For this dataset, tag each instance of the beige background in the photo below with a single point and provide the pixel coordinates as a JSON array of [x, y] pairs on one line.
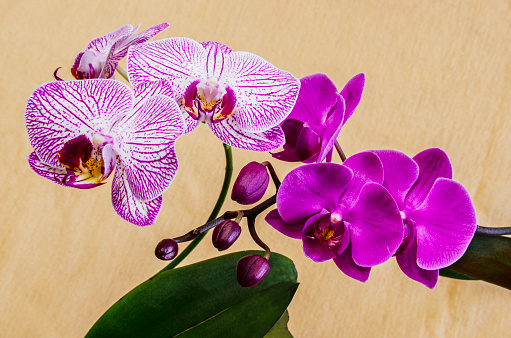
[[438, 75]]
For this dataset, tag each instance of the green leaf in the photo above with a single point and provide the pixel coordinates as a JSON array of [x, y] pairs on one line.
[[280, 330], [487, 258], [202, 299], [446, 272]]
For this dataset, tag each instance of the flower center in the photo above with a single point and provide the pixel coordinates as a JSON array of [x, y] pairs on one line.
[[83, 160], [209, 101], [327, 233]]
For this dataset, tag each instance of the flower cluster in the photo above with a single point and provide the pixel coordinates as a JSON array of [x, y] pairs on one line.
[[84, 130], [377, 204]]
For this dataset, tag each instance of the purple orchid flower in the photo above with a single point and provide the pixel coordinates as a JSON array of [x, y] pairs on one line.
[[102, 55], [242, 97], [317, 118], [437, 212], [340, 211], [82, 130]]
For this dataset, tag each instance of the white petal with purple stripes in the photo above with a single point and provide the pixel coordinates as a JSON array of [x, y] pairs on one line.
[[230, 133], [265, 94], [128, 206], [179, 60], [59, 111], [146, 146]]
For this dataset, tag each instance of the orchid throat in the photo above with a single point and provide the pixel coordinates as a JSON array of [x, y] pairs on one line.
[[209, 101], [84, 160]]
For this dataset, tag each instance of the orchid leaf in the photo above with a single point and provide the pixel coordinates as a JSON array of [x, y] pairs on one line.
[[202, 299], [280, 330], [487, 258]]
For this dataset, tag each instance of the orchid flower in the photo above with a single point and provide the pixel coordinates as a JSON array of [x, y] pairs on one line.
[[317, 117], [242, 97], [340, 210], [437, 212], [82, 130], [102, 55]]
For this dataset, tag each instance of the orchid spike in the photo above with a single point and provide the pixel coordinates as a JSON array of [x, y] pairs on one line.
[[438, 215], [317, 117], [82, 130], [242, 97], [340, 211], [102, 55]]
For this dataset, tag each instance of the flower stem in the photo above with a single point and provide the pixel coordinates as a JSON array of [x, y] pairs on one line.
[[123, 73], [214, 213], [486, 231], [339, 151]]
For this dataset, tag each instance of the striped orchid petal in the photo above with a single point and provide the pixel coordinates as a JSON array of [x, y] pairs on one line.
[[57, 112], [265, 94], [145, 144], [215, 85], [102, 55], [230, 133], [128, 206]]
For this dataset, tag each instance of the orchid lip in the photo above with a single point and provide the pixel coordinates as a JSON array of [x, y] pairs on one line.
[[209, 101], [83, 161]]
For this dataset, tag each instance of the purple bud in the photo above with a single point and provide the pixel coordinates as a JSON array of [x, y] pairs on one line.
[[225, 234], [251, 269], [251, 184], [166, 249]]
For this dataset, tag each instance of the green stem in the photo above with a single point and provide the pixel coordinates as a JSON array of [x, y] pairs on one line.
[[123, 73], [214, 213]]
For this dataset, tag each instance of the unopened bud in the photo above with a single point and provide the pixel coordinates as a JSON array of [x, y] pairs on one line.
[[251, 184], [251, 269], [166, 249], [225, 234]]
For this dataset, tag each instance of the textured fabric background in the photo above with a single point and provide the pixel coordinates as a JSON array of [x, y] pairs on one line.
[[438, 75]]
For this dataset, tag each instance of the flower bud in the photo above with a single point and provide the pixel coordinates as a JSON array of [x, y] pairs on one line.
[[225, 234], [166, 249], [251, 269], [251, 184]]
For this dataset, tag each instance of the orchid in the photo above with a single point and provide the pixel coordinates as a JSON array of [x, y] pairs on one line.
[[340, 210], [437, 212], [82, 130], [242, 97], [317, 118], [102, 55]]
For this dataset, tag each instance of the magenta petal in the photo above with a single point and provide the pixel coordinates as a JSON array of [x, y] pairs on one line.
[[55, 174], [318, 95], [317, 250], [229, 132], [399, 172], [308, 144], [346, 264], [445, 225], [293, 230], [57, 112], [127, 206], [375, 226], [146, 146], [265, 95], [408, 264], [366, 167], [307, 190], [352, 93], [287, 155], [179, 60], [330, 129], [433, 163], [292, 129]]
